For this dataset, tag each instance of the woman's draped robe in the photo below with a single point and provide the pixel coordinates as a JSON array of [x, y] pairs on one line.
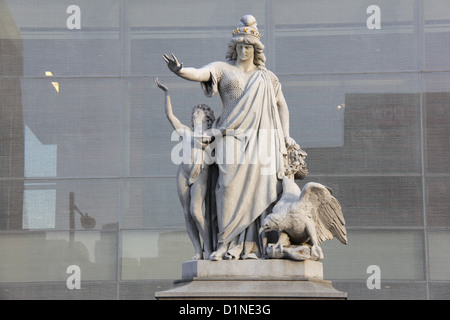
[[245, 180]]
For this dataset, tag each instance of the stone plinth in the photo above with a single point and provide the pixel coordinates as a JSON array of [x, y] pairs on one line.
[[252, 279]]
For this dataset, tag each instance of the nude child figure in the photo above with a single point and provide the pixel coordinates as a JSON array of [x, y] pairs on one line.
[[192, 177]]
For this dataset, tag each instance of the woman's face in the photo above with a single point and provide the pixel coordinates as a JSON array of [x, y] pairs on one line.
[[245, 51]]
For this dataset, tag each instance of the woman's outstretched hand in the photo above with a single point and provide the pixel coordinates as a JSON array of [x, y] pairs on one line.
[[173, 63]]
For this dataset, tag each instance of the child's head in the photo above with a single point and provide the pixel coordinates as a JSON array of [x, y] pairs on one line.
[[202, 112]]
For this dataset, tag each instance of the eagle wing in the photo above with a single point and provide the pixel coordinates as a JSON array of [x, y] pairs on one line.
[[325, 210]]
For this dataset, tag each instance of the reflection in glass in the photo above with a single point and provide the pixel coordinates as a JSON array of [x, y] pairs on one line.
[[74, 133], [40, 159], [45, 256], [154, 254], [399, 254], [39, 206]]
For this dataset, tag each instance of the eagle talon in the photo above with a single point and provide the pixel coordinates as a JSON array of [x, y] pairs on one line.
[[278, 248], [316, 252]]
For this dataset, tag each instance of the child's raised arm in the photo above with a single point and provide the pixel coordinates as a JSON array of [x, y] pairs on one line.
[[176, 124]]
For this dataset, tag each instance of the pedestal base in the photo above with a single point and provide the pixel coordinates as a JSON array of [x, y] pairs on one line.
[[251, 279]]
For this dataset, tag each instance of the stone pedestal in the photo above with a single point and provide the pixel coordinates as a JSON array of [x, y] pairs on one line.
[[251, 279]]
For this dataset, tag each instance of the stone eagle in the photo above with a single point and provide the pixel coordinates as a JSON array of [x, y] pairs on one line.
[[304, 219]]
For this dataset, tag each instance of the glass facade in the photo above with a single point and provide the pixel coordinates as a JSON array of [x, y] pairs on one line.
[[86, 177]]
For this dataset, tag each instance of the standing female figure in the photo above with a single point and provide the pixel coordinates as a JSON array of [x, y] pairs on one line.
[[255, 124]]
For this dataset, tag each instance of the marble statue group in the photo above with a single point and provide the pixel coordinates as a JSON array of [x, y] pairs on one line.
[[237, 184]]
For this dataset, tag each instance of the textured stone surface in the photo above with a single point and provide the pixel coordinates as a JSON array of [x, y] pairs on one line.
[[254, 269], [252, 279], [252, 289]]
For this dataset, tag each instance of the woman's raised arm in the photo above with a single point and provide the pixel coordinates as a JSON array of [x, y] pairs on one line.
[[192, 74]]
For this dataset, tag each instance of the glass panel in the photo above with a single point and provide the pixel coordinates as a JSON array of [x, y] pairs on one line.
[[335, 37], [59, 204], [436, 100], [438, 202], [71, 127], [153, 254], [439, 291], [12, 136], [437, 138], [64, 40], [151, 204], [11, 204], [436, 35], [357, 124], [46, 256], [439, 254], [398, 253]]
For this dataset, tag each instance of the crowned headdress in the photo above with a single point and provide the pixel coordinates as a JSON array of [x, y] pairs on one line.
[[247, 31], [247, 27]]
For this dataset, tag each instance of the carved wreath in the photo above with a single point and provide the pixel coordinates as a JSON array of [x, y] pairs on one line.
[[295, 165]]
